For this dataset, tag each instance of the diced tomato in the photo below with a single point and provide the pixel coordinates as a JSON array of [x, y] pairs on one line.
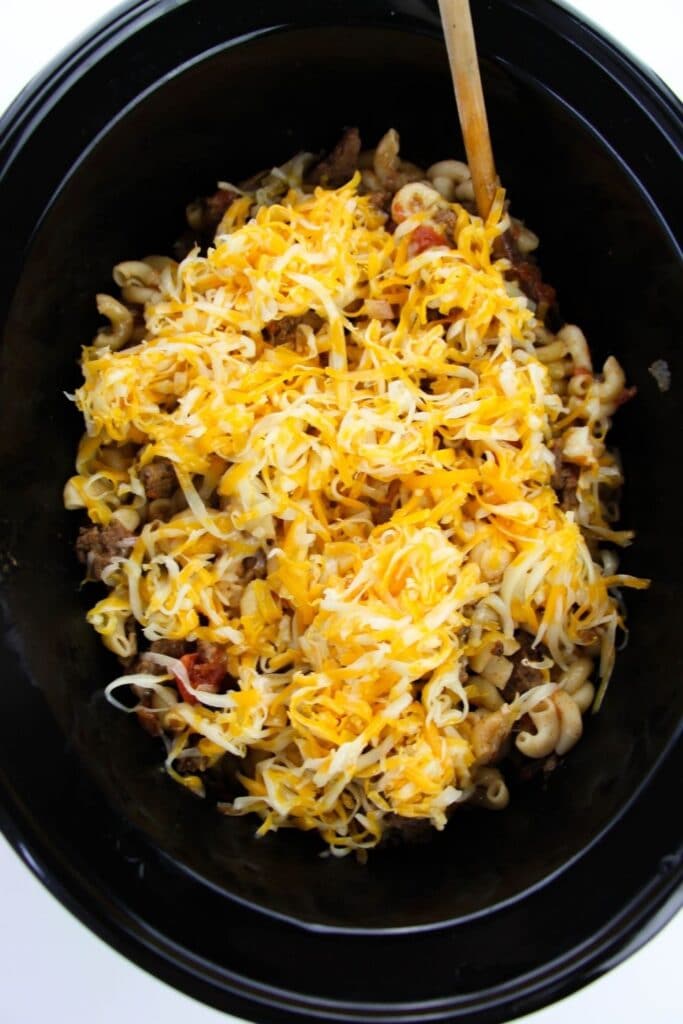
[[188, 661], [208, 675], [204, 675], [424, 237]]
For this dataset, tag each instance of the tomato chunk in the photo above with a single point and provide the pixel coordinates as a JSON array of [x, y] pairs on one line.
[[424, 237], [204, 675]]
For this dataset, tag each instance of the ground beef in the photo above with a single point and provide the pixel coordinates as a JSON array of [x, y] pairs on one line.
[[284, 331], [171, 648], [385, 508], [205, 214], [159, 479], [530, 281], [148, 719], [191, 765], [523, 677], [565, 481], [254, 567], [217, 204], [337, 168], [97, 546], [447, 220], [203, 217], [380, 199], [526, 273]]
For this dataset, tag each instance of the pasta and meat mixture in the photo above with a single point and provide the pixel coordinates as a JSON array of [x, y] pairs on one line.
[[349, 496]]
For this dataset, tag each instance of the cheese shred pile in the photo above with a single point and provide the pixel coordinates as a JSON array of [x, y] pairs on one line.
[[368, 430]]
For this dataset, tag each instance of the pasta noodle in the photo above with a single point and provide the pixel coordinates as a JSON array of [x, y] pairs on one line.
[[348, 493]]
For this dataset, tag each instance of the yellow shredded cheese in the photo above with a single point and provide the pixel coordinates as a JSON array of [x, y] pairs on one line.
[[390, 461]]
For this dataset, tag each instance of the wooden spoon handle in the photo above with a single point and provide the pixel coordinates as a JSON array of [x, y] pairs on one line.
[[456, 18]]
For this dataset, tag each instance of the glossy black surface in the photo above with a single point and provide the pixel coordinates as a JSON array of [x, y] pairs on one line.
[[99, 161]]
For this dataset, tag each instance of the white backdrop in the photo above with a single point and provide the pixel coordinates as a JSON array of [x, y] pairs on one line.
[[54, 968]]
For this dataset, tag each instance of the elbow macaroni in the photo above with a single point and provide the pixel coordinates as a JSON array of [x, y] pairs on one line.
[[557, 726], [492, 790], [120, 323], [544, 739]]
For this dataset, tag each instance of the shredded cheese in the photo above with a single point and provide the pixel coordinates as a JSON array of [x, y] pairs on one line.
[[392, 463]]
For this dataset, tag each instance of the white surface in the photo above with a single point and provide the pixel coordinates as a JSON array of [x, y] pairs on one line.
[[52, 967]]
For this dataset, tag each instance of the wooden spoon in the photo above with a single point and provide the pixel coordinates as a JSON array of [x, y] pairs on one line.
[[456, 18]]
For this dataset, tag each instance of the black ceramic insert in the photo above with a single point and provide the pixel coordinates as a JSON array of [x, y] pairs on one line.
[[98, 160]]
